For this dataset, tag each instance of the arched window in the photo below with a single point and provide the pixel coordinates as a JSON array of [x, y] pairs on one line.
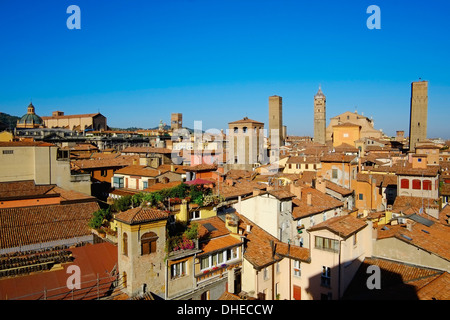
[[125, 244], [426, 184], [244, 129], [235, 129], [416, 184], [148, 243], [404, 184]]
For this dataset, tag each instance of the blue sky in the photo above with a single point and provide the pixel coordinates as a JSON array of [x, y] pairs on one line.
[[219, 60]]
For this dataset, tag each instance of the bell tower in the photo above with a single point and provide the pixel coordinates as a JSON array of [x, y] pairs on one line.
[[319, 117]]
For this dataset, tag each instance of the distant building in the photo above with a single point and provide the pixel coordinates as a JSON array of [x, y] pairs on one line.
[[338, 247], [76, 122], [346, 133], [42, 162], [367, 125], [320, 117], [418, 114], [245, 144]]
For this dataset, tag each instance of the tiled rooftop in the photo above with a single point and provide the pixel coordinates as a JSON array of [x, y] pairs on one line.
[[337, 188], [399, 281], [31, 225], [139, 170], [146, 150], [259, 251], [107, 162], [344, 226], [320, 202], [140, 215], [434, 239]]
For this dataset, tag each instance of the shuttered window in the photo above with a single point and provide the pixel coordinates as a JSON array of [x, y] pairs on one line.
[[297, 293], [148, 243]]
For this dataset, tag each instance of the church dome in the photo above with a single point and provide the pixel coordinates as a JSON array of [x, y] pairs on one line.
[[31, 117]]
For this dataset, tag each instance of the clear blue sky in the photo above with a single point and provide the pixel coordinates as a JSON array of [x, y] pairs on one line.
[[219, 60]]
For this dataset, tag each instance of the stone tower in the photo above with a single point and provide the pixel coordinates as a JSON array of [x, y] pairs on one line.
[[245, 144], [320, 117], [176, 121], [141, 238], [276, 117], [418, 113]]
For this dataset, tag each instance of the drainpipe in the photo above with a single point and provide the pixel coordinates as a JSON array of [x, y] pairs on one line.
[[273, 270], [49, 165], [290, 271]]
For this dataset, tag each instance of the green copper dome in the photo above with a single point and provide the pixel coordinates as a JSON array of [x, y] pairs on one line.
[[31, 117]]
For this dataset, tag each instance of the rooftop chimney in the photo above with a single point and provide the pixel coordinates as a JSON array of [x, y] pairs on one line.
[[320, 184], [231, 222], [296, 190], [256, 191], [308, 199]]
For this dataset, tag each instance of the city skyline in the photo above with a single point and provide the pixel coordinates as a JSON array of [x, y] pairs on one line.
[[218, 62]]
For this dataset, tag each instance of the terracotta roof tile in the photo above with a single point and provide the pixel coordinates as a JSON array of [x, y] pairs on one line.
[[337, 157], [216, 223], [26, 144], [141, 215], [320, 202], [437, 289], [344, 226], [239, 188], [168, 167], [23, 188], [118, 161], [138, 170], [434, 238], [405, 203], [146, 150], [245, 120], [337, 188], [303, 159], [258, 246], [30, 225], [70, 116], [202, 167], [161, 186], [216, 244], [430, 171], [399, 281]]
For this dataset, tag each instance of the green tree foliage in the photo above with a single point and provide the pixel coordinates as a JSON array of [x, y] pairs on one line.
[[122, 204], [100, 218]]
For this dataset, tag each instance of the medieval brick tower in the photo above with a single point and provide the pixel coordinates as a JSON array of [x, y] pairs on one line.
[[276, 118], [418, 114], [176, 121], [320, 117]]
